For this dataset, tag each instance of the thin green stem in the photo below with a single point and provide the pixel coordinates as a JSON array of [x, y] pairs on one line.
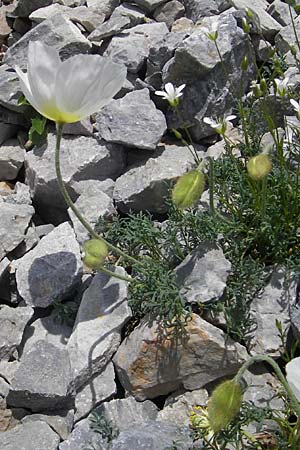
[[115, 275], [70, 203], [294, 27]]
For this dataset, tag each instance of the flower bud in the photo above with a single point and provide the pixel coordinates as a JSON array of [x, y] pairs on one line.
[[293, 50], [249, 13], [177, 134], [245, 63], [224, 405], [259, 166], [263, 86], [245, 25], [95, 252], [188, 189]]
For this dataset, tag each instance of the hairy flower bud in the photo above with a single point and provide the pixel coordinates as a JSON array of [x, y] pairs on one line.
[[245, 63], [188, 189], [259, 166], [95, 252], [245, 25], [224, 405], [263, 86]]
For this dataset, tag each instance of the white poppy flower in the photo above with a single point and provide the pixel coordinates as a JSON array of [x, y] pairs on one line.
[[171, 93], [293, 376], [220, 126], [68, 91]]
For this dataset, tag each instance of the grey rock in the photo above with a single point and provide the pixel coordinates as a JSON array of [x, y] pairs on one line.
[[25, 8], [178, 406], [295, 321], [123, 413], [110, 28], [126, 121], [7, 130], [152, 436], [286, 37], [4, 390], [106, 186], [61, 421], [132, 46], [145, 187], [197, 64], [99, 388], [273, 303], [12, 324], [202, 275], [30, 436], [10, 90], [96, 336], [82, 158], [127, 9], [195, 9], [43, 380], [183, 25], [87, 17], [105, 7], [83, 437], [281, 13], [165, 364], [169, 12], [8, 369], [11, 159], [58, 32], [82, 128], [15, 218], [47, 329], [51, 271], [149, 5], [93, 204], [19, 196]]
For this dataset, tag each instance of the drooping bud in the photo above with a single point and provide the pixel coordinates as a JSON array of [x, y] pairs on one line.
[[95, 252], [188, 189], [224, 405], [259, 166]]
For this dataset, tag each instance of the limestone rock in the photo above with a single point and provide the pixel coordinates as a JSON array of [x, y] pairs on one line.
[[43, 380], [96, 336], [58, 32], [83, 437], [286, 37], [273, 303], [30, 436], [11, 159], [25, 8], [149, 366], [50, 271], [126, 121], [61, 421], [203, 274], [105, 7], [196, 9], [281, 13], [7, 130], [169, 12], [12, 324]]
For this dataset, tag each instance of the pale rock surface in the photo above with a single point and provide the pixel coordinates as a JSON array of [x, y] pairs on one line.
[[60, 421], [11, 159], [149, 366], [12, 324], [30, 436], [83, 437], [169, 12]]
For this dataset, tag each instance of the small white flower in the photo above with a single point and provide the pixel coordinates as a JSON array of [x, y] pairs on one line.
[[293, 376], [220, 126], [282, 86], [171, 93], [68, 91], [296, 106]]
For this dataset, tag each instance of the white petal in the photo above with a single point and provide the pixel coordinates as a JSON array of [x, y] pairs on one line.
[[232, 117], [295, 104], [209, 121], [169, 88], [293, 376], [180, 88], [161, 93], [85, 83], [24, 83], [43, 63]]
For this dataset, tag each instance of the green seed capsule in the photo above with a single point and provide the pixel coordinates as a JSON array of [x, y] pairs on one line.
[[95, 252]]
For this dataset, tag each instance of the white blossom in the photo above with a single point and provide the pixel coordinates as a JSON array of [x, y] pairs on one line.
[[171, 93]]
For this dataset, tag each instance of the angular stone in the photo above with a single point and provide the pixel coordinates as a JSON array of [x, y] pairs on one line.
[[7, 130], [51, 271], [96, 336], [82, 158], [87, 17], [149, 365], [123, 413], [12, 324], [110, 28], [136, 15], [153, 436], [281, 13], [105, 7], [196, 9], [126, 121], [149, 5], [93, 205], [183, 25], [11, 159], [5, 29], [169, 12], [57, 32], [43, 380], [286, 37], [273, 303], [83, 437], [99, 388], [145, 187], [178, 407], [132, 47], [14, 218], [106, 186], [25, 8], [61, 421], [30, 436], [203, 273]]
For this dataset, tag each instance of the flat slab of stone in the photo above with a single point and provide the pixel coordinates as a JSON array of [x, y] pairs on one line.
[[97, 331], [11, 159], [43, 380], [12, 324], [149, 366], [52, 270], [30, 436], [203, 274]]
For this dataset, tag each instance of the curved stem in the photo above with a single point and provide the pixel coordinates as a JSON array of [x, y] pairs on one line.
[[115, 275], [70, 203]]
